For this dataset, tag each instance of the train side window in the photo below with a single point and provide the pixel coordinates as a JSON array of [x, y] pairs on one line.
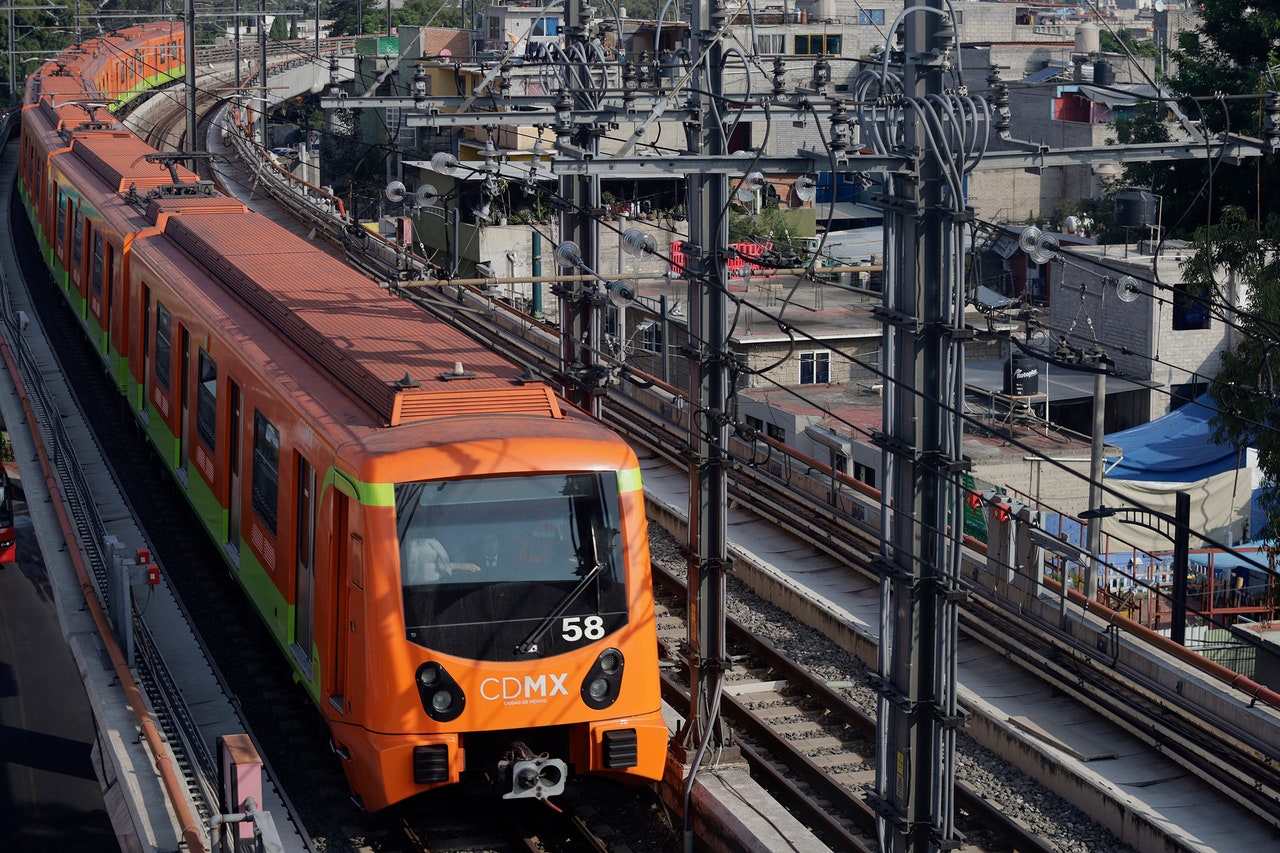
[[266, 470], [77, 246], [163, 323], [63, 211], [207, 400], [95, 280]]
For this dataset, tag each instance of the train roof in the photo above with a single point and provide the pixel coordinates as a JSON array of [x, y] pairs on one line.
[[386, 353], [119, 159]]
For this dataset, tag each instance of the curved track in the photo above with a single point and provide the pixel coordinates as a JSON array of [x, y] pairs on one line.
[[1222, 754]]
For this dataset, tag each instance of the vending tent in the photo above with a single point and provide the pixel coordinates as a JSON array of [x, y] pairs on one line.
[[1177, 453]]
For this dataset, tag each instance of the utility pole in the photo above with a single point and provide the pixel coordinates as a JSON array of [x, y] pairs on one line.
[[189, 58], [580, 328], [706, 250], [922, 507], [262, 69]]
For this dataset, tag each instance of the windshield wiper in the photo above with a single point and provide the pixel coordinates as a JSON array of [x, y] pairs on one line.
[[531, 642]]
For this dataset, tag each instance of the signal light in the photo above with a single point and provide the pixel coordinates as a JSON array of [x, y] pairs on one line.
[[1001, 512], [973, 500]]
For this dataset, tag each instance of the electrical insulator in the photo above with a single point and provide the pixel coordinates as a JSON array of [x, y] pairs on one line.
[[821, 73], [335, 85], [1271, 121], [779, 76], [420, 89], [839, 131], [629, 86]]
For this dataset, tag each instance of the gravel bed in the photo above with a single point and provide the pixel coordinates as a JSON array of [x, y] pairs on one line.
[[1049, 816]]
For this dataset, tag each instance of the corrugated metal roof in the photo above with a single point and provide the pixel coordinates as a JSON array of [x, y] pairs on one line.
[[367, 340]]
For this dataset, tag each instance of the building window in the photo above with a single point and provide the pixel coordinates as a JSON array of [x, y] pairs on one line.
[[495, 28], [163, 323], [1190, 310], [266, 470], [651, 340], [775, 432], [871, 17], [815, 368], [755, 423], [864, 474], [771, 43], [207, 400], [815, 45], [545, 27]]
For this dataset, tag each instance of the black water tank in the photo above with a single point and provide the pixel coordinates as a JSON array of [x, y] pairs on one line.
[[1103, 73], [1135, 208], [1022, 376]]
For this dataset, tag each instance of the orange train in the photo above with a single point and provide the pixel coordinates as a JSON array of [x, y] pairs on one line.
[[454, 561]]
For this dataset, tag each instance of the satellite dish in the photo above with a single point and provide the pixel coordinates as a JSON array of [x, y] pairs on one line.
[[395, 191], [426, 195], [1127, 289], [744, 193], [806, 188], [445, 53], [1159, 5]]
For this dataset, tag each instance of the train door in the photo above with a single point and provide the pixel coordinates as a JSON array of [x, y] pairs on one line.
[[233, 471], [304, 571], [348, 583], [144, 378], [184, 381]]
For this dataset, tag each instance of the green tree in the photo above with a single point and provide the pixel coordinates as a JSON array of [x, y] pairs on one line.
[[1126, 42], [1247, 388], [430, 13], [279, 29], [343, 14]]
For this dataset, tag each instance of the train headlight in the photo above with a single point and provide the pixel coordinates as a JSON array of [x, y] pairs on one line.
[[442, 698], [603, 683]]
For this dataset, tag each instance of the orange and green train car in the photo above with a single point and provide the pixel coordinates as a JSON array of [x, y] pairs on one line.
[[454, 561]]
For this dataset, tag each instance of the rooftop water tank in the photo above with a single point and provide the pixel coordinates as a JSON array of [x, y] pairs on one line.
[[1103, 73], [1136, 208], [1087, 38]]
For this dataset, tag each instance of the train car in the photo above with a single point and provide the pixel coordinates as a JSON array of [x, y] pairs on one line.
[[453, 560], [8, 537]]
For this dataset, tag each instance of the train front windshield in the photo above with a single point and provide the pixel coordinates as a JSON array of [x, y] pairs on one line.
[[510, 568]]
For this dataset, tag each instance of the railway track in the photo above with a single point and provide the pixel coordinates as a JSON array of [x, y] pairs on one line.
[[807, 740], [846, 530]]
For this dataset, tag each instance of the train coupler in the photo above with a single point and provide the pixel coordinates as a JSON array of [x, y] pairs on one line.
[[530, 775]]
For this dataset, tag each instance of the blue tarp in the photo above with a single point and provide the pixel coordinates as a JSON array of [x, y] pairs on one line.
[[1177, 448]]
